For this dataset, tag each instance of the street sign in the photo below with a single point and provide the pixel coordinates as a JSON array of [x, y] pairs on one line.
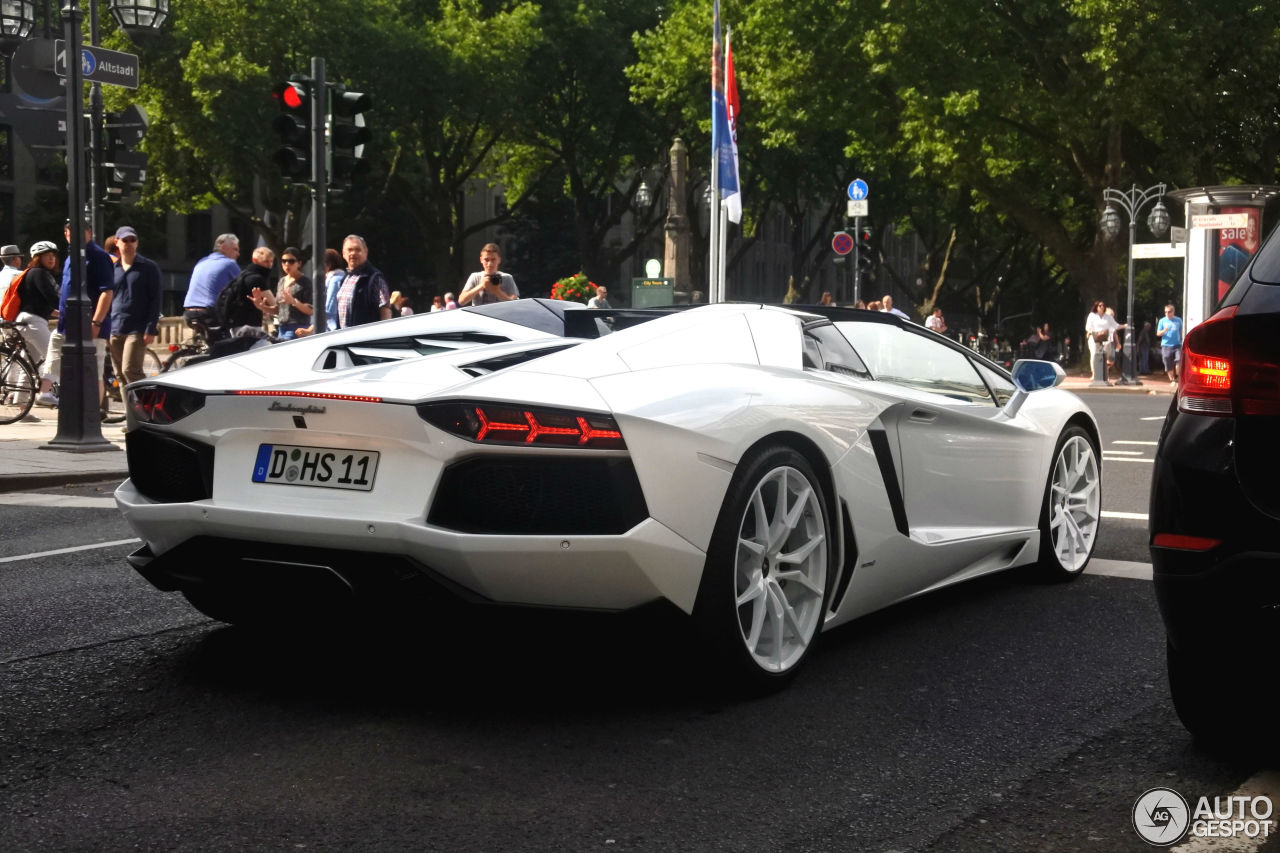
[[842, 243], [857, 208], [1178, 234], [858, 190], [1213, 221], [1159, 250], [99, 65]]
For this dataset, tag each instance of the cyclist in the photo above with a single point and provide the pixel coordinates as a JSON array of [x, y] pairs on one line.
[[38, 290]]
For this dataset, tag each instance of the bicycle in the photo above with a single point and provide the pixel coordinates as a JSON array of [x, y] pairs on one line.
[[19, 381], [195, 350]]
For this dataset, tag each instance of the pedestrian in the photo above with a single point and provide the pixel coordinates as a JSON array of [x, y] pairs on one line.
[[245, 302], [99, 282], [364, 296], [826, 299], [400, 305], [886, 306], [601, 299], [1037, 343], [489, 285], [436, 304], [1099, 326], [210, 275], [135, 307], [449, 302], [38, 290], [293, 296], [1115, 344], [1144, 349], [10, 267], [936, 322], [1170, 331]]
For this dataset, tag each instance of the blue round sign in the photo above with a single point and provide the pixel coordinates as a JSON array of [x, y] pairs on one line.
[[858, 190], [88, 62]]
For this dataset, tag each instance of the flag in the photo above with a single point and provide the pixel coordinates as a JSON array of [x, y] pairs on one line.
[[721, 137], [732, 199]]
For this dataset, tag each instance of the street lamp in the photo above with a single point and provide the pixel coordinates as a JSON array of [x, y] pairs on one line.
[[1132, 202], [644, 195], [139, 17], [17, 20]]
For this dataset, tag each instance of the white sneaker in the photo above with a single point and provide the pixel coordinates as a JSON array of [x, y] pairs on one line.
[[45, 398]]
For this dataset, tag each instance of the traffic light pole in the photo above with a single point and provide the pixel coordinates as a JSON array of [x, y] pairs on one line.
[[95, 135], [319, 193], [79, 424]]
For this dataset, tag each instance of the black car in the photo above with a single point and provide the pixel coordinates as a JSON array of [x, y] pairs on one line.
[[1215, 514]]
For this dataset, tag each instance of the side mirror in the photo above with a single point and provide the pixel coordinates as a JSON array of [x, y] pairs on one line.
[[1032, 375]]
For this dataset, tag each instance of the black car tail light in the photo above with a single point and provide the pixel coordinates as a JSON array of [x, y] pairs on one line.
[[160, 404], [1224, 372], [497, 423]]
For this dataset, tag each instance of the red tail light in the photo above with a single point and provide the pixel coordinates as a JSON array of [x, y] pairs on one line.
[[1184, 543], [156, 404], [1223, 374], [496, 423]]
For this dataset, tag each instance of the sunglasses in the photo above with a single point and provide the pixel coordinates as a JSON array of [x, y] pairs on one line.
[[288, 260]]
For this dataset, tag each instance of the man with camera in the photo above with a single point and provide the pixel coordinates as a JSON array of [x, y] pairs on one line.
[[489, 285]]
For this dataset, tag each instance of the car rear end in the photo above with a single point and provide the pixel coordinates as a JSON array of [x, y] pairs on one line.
[[1215, 507]]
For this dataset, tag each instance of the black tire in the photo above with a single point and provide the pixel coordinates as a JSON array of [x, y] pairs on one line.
[[1072, 507], [17, 389], [753, 649], [179, 358]]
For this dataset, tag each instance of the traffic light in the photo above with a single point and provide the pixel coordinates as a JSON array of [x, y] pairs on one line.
[[348, 135], [866, 255], [124, 168], [293, 126]]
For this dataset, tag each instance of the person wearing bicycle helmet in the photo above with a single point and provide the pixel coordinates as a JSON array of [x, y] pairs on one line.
[[38, 290]]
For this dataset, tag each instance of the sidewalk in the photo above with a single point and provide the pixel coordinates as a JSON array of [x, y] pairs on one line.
[[25, 462]]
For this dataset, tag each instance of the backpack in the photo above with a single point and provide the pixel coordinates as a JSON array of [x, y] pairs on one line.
[[12, 302], [222, 307]]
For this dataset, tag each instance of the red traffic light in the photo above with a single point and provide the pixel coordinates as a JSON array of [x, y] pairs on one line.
[[292, 96]]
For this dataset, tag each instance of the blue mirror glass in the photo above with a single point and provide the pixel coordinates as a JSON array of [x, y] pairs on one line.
[[1032, 375]]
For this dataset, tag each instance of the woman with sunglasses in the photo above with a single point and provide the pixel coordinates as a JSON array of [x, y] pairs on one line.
[[293, 296]]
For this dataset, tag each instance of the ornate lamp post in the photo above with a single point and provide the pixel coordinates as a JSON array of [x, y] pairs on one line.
[[1132, 202], [139, 17]]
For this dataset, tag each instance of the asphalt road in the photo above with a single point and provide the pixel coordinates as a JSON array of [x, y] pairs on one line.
[[1001, 715]]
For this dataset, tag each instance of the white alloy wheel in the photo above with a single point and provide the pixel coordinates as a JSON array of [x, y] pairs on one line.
[[1073, 505], [780, 571]]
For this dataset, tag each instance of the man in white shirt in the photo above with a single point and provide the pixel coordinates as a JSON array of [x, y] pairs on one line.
[[1099, 330], [601, 299], [887, 302], [935, 322], [11, 258]]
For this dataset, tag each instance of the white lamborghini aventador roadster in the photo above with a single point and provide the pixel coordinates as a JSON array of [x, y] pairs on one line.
[[771, 471]]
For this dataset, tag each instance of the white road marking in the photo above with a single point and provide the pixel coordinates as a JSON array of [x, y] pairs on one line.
[[61, 501], [38, 554], [1122, 453], [1119, 569], [1128, 516], [1146, 443], [1263, 784], [1153, 418], [1124, 458]]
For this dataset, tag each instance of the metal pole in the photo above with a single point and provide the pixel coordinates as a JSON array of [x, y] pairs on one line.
[[79, 425], [857, 259], [319, 193], [96, 185], [1127, 377]]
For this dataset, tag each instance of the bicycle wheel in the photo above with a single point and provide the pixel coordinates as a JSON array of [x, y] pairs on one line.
[[17, 389], [179, 358], [151, 365]]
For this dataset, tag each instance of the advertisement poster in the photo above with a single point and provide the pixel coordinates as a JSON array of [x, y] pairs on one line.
[[1236, 247]]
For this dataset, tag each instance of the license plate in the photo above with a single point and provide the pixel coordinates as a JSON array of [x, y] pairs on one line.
[[326, 467]]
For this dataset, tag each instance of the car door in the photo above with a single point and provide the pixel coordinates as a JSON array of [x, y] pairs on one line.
[[966, 469]]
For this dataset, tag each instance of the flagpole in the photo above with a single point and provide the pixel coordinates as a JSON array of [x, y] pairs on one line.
[[721, 291], [713, 258]]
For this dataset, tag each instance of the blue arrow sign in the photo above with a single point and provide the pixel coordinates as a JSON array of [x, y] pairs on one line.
[[858, 190]]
